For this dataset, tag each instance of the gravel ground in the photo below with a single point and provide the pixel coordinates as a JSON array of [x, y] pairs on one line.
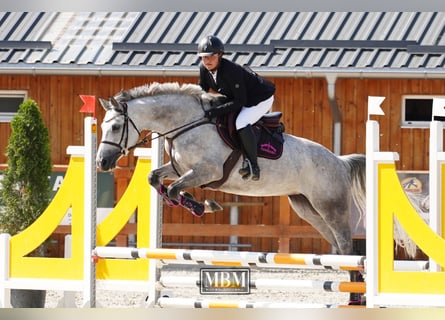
[[114, 299]]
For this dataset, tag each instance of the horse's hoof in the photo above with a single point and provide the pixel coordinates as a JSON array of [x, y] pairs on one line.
[[212, 206]]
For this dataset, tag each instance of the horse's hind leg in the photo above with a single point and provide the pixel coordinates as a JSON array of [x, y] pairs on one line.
[[301, 205], [330, 217], [336, 233]]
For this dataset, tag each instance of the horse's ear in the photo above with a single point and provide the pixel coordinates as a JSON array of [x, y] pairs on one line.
[[105, 104], [114, 102]]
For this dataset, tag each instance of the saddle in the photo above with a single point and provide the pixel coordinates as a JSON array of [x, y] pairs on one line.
[[269, 135], [268, 131]]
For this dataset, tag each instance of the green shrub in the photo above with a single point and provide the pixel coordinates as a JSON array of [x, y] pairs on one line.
[[26, 189]]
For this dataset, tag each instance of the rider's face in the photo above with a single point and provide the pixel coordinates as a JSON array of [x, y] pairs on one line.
[[211, 62]]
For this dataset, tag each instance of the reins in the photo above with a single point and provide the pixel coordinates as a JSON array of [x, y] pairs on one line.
[[187, 126]]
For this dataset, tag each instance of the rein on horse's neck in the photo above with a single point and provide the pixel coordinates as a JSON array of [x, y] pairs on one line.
[[182, 128]]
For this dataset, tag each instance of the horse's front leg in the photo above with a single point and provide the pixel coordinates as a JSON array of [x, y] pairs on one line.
[[177, 195], [195, 177], [180, 184], [165, 171], [155, 178], [192, 178]]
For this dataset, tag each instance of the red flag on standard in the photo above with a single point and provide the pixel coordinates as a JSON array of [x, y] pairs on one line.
[[89, 105]]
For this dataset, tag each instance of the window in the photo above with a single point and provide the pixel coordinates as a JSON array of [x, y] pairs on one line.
[[9, 103], [417, 110]]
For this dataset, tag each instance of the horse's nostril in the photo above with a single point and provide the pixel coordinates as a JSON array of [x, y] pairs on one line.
[[101, 163]]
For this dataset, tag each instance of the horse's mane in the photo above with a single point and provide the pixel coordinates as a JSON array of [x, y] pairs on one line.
[[156, 88]]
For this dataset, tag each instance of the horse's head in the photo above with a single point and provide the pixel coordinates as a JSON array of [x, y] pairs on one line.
[[159, 107], [119, 134]]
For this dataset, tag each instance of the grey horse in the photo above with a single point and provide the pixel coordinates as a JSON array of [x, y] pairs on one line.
[[320, 185]]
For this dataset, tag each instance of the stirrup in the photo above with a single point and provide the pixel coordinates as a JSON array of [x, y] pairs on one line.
[[248, 170]]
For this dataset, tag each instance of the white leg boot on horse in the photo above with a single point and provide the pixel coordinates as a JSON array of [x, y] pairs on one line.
[[250, 164]]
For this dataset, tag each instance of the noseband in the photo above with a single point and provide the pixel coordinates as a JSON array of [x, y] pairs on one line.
[[124, 137]]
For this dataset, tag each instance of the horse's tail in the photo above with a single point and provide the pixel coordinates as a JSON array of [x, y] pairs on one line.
[[357, 169]]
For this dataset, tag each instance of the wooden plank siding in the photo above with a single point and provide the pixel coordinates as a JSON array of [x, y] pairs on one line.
[[306, 113]]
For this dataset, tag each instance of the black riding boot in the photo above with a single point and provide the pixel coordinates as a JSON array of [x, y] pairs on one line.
[[250, 165]]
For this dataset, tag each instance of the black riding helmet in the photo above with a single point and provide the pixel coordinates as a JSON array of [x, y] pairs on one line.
[[210, 45]]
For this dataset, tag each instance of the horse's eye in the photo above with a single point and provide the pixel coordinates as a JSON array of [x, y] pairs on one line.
[[115, 127]]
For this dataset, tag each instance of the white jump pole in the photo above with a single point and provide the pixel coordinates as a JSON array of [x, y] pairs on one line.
[[69, 298], [232, 258], [373, 157], [274, 284], [157, 158], [90, 204], [437, 158], [240, 304], [5, 293]]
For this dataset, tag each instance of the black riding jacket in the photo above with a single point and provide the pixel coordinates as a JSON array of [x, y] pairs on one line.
[[242, 86]]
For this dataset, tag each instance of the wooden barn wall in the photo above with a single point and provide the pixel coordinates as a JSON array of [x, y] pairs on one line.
[[306, 113]]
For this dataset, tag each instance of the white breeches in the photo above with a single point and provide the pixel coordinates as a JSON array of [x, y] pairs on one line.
[[252, 114]]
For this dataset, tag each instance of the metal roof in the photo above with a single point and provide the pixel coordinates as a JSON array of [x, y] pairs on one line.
[[278, 43]]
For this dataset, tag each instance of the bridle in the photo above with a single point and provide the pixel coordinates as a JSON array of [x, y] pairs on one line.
[[127, 121], [124, 137]]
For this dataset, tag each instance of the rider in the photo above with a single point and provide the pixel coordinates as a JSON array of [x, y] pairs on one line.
[[246, 91]]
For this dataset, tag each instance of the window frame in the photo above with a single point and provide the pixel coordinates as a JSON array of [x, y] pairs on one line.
[[6, 117], [412, 123]]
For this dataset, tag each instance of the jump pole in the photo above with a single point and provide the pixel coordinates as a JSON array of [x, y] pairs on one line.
[[249, 259], [273, 284], [90, 204], [373, 157], [209, 304], [231, 258], [437, 160], [154, 272]]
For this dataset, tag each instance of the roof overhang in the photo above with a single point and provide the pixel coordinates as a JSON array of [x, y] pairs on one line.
[[279, 72]]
